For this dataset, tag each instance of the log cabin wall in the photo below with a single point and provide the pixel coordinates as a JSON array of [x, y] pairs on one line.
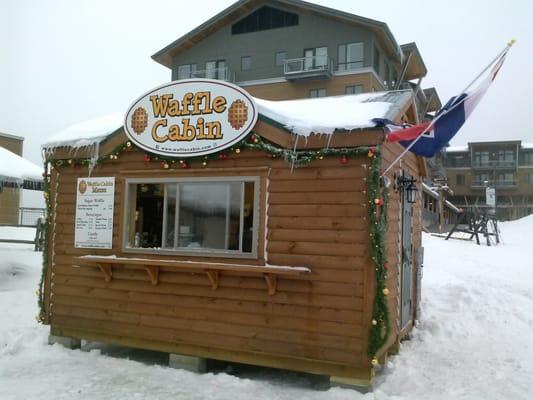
[[317, 217], [409, 164]]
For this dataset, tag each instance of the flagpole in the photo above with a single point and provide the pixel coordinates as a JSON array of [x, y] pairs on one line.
[[509, 44]]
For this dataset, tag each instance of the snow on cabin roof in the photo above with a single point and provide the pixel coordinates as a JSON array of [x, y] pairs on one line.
[[15, 168], [86, 133], [326, 114], [322, 115]]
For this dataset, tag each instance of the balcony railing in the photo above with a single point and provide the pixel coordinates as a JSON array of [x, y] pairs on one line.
[[223, 74], [307, 67], [494, 164], [501, 184]]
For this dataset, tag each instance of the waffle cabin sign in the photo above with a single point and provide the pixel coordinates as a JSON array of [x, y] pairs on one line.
[[190, 118]]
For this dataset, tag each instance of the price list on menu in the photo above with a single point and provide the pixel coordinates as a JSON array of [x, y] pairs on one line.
[[94, 213]]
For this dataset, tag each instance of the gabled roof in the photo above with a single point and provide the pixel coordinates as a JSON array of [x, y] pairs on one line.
[[433, 99], [242, 8], [416, 68], [6, 135], [17, 169]]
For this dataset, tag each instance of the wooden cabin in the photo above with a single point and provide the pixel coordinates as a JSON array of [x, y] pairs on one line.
[[309, 261]]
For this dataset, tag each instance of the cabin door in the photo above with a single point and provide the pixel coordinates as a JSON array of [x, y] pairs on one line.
[[407, 259]]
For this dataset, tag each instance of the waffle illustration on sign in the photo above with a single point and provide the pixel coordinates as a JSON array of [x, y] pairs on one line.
[[139, 120], [238, 114]]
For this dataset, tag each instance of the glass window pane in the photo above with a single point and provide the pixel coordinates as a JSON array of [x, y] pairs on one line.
[[280, 57], [170, 215], [342, 54], [148, 215], [248, 217], [206, 215], [246, 63], [321, 56], [210, 69], [354, 52]]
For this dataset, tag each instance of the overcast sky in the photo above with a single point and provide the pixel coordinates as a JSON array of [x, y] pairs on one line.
[[63, 61]]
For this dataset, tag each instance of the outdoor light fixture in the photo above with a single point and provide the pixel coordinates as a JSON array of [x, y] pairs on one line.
[[409, 186]]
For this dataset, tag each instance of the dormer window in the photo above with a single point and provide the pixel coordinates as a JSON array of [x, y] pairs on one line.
[[263, 19]]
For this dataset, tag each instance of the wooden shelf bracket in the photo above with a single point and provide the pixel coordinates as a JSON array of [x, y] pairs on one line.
[[106, 270], [213, 278], [272, 283], [153, 273]]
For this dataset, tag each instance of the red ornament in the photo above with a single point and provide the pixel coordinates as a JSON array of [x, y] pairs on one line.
[[386, 265], [147, 158], [222, 156], [379, 202], [344, 160], [373, 149], [184, 165]]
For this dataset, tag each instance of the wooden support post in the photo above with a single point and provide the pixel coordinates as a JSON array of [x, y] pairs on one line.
[[106, 270], [213, 278], [153, 273], [272, 283]]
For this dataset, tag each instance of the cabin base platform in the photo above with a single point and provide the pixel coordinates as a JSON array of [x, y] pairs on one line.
[[189, 363], [65, 341]]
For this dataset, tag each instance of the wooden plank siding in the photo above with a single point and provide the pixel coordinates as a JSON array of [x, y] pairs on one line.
[[312, 216], [410, 165]]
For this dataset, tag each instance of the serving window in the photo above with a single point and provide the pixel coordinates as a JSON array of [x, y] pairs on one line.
[[202, 216]]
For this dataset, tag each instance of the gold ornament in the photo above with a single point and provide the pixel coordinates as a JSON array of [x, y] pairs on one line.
[[374, 322], [128, 144], [375, 361], [385, 291], [204, 163], [237, 151]]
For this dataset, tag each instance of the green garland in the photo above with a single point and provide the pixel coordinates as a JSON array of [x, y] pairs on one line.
[[377, 211], [380, 328], [41, 317]]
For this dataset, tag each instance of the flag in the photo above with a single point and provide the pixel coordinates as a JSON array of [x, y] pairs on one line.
[[428, 138]]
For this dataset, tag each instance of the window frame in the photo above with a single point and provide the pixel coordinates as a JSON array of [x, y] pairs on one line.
[[249, 65], [126, 218], [193, 67], [284, 52], [354, 92], [317, 90], [344, 52]]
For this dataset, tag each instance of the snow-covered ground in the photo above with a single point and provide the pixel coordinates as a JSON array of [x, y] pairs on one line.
[[475, 340]]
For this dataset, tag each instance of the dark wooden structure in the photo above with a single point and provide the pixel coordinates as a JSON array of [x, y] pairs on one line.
[[303, 303]]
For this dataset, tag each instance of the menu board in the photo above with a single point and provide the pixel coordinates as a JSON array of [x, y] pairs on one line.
[[94, 213]]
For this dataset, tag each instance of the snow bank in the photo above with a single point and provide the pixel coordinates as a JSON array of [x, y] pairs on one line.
[[473, 343], [15, 168]]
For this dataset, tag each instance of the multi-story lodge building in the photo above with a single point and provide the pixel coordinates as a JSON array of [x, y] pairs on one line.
[[290, 49], [505, 165]]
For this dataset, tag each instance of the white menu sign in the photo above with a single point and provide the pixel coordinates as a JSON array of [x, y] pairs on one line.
[[94, 213]]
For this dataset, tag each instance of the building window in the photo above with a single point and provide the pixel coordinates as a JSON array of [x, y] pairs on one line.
[[377, 61], [246, 63], [215, 69], [186, 71], [460, 180], [481, 159], [528, 178], [353, 89], [264, 18], [351, 56], [316, 58], [527, 158], [281, 56], [211, 216], [313, 93], [506, 178]]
